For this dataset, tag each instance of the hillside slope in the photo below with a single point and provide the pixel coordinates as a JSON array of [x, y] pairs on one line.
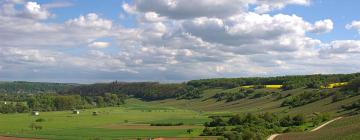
[[269, 103], [347, 128]]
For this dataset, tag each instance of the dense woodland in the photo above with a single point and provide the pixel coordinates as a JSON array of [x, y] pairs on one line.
[[289, 82], [142, 90], [33, 87], [19, 103]]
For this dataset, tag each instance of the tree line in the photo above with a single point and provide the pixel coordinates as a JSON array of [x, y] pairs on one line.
[[33, 87], [288, 82], [142, 90], [54, 102]]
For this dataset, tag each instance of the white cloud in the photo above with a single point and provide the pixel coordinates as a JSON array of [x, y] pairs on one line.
[[184, 9], [30, 10], [353, 25], [264, 6], [34, 10], [250, 33], [174, 40], [129, 9], [153, 17], [322, 26], [99, 45], [180, 9], [91, 20], [341, 47], [26, 56]]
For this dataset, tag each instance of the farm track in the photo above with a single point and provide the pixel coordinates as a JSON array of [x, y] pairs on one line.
[[273, 136]]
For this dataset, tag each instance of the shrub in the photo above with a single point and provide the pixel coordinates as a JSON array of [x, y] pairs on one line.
[[40, 120]]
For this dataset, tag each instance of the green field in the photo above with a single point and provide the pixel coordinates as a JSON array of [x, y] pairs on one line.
[[64, 125], [131, 120]]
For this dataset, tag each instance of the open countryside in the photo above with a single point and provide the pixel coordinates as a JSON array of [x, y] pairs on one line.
[[199, 109], [179, 70]]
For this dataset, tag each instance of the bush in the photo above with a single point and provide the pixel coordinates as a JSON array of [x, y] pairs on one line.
[[305, 98], [293, 129], [251, 126], [40, 120]]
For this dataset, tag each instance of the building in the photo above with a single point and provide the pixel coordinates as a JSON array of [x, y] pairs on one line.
[[76, 112], [35, 113]]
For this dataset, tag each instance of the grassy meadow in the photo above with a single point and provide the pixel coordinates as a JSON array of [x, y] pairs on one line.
[[132, 120], [128, 121]]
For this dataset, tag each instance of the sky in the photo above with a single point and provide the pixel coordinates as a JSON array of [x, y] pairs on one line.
[[88, 41]]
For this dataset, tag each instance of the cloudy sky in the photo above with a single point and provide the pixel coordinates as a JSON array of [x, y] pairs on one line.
[[176, 40]]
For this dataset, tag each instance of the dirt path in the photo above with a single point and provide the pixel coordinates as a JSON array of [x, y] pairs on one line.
[[273, 136], [321, 126]]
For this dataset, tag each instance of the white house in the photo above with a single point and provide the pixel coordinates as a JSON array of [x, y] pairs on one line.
[[35, 113], [76, 112]]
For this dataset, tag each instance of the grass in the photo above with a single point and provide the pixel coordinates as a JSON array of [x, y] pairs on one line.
[[347, 128], [269, 103], [193, 113], [67, 126]]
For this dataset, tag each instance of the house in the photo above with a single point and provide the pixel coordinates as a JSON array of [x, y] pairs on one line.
[[35, 113], [76, 112]]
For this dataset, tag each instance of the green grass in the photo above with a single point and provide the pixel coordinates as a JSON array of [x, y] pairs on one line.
[[347, 128], [269, 103], [64, 125]]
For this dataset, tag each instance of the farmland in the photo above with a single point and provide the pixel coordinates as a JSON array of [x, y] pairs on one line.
[[200, 109], [130, 121]]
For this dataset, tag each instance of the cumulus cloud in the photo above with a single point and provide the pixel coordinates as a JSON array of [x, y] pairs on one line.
[[91, 20], [172, 40], [26, 56], [353, 25], [99, 45], [253, 33], [342, 47], [180, 9], [30, 10], [153, 17], [264, 6], [184, 9], [34, 10], [322, 26]]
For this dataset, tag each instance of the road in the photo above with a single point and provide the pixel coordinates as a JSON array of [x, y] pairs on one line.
[[273, 136]]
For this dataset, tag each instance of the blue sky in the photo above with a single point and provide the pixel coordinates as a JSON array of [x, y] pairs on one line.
[[175, 40]]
